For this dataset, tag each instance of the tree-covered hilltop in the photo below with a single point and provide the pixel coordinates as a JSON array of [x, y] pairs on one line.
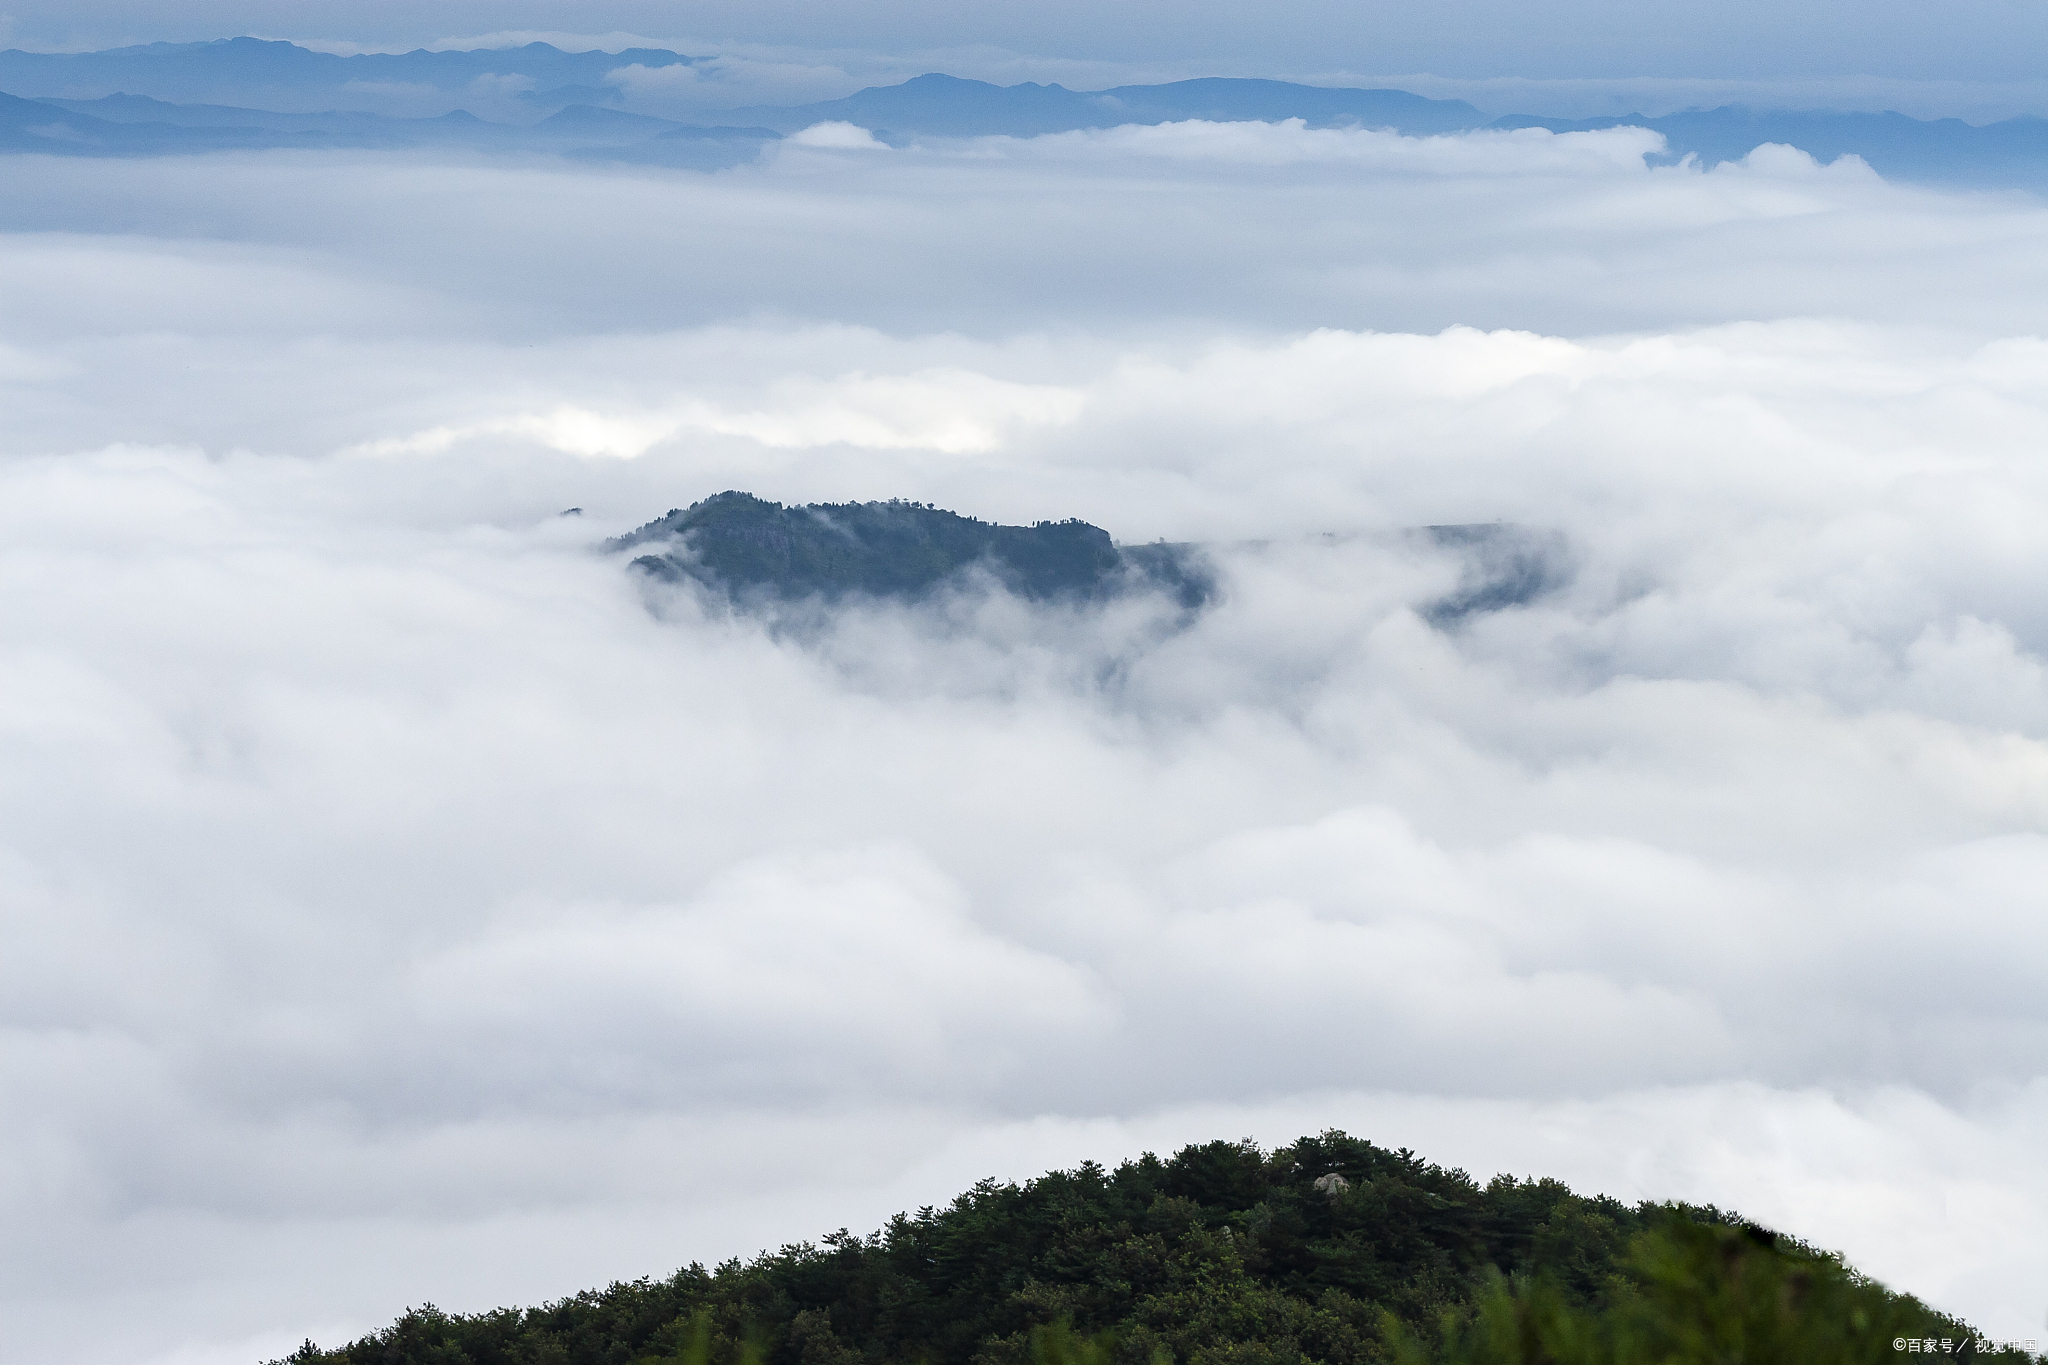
[[1330, 1251], [746, 545]]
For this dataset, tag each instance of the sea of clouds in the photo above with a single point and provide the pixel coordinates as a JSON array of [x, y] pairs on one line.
[[404, 902]]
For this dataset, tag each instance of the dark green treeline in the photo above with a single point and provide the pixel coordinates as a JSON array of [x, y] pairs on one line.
[[1330, 1251]]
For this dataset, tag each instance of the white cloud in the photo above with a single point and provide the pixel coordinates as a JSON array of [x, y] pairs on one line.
[[728, 80], [1520, 152], [947, 410], [836, 135], [1108, 232], [403, 903]]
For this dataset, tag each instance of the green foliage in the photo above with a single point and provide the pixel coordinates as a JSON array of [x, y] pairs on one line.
[[1331, 1251], [1691, 1293], [749, 548]]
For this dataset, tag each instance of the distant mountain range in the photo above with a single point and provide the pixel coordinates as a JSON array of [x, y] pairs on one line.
[[285, 76], [947, 106], [141, 125], [246, 93]]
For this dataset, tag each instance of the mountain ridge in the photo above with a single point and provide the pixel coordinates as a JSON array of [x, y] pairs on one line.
[[1330, 1250], [749, 547], [167, 99]]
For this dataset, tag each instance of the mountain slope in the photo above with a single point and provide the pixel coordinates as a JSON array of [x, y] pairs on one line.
[[1328, 1250], [747, 546]]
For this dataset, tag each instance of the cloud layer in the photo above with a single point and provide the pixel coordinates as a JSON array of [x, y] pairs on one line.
[[1186, 226], [403, 901]]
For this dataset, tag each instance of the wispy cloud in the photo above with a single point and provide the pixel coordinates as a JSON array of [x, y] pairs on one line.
[[402, 900]]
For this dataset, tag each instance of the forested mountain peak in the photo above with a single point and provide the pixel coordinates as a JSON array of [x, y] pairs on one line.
[[748, 546], [1328, 1251]]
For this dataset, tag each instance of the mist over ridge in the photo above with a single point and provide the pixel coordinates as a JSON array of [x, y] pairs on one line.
[[1261, 606]]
